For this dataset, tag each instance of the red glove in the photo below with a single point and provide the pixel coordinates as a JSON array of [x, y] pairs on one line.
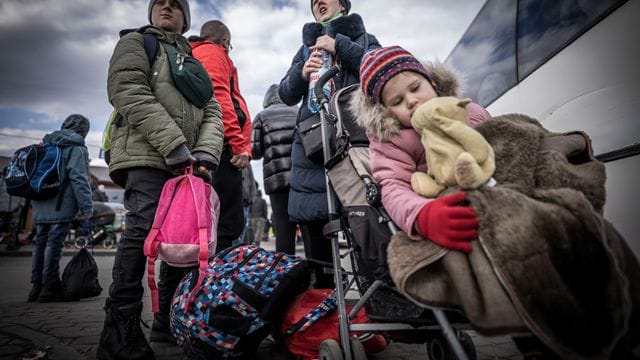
[[447, 224]]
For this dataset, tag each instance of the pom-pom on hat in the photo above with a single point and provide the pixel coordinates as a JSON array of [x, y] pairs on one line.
[[380, 65]]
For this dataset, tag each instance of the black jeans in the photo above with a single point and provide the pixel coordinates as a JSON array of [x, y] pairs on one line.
[[285, 230], [318, 247], [141, 197], [227, 182]]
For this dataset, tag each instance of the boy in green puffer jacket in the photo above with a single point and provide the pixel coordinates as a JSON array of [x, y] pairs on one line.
[[160, 132]]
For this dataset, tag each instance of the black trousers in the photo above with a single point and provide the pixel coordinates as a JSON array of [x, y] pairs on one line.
[[285, 230], [227, 182], [318, 247]]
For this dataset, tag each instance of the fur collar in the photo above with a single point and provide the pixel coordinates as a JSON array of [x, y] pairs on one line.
[[351, 26], [378, 121]]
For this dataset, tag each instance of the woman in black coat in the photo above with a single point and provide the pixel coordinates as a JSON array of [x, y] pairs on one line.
[[345, 38]]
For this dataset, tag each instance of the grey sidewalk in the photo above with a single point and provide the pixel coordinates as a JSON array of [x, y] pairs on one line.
[[69, 331]]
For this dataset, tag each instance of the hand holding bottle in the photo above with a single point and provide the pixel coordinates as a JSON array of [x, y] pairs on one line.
[[313, 64], [326, 61], [327, 43]]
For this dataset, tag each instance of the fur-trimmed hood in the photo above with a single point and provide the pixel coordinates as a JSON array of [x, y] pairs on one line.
[[379, 122]]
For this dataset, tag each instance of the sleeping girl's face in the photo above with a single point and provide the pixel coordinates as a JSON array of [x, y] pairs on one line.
[[404, 92]]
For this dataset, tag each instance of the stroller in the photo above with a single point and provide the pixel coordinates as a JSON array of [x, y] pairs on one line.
[[11, 222], [367, 229], [101, 229]]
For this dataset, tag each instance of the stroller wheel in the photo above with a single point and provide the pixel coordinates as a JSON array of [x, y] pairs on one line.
[[109, 242], [357, 349], [438, 347], [330, 350]]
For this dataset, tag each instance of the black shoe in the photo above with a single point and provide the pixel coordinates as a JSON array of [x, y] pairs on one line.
[[121, 336], [160, 330], [52, 293], [35, 292]]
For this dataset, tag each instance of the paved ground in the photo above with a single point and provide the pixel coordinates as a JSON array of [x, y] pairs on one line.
[[68, 331]]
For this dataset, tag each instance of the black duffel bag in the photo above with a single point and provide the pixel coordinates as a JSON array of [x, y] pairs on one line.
[[80, 277]]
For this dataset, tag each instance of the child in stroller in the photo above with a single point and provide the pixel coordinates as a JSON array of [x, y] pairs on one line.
[[393, 85], [367, 228]]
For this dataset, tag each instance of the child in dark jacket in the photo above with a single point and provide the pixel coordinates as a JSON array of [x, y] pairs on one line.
[[53, 221]]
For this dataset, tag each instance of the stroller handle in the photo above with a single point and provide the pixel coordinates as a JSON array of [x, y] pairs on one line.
[[317, 89]]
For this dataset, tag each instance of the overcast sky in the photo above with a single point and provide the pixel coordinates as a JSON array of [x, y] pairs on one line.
[[56, 52]]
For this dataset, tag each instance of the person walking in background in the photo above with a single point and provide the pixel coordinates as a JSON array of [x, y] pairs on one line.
[[271, 141], [212, 49], [345, 38], [259, 216], [11, 209], [53, 216], [248, 194], [159, 133], [96, 193]]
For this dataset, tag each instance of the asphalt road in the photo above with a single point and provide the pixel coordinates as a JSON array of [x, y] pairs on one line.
[[71, 330]]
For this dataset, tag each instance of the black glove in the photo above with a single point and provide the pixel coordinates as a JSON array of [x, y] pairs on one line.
[[179, 158], [205, 159]]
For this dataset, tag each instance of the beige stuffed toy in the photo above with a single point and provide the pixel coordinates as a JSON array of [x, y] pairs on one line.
[[456, 153]]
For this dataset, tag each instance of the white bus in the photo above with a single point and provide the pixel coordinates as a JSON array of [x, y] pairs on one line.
[[573, 65]]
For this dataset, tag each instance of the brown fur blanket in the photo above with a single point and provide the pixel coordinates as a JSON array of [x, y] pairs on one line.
[[546, 261]]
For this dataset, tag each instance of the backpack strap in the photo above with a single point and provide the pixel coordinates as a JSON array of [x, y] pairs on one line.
[[150, 42], [151, 246], [203, 238], [150, 47], [326, 307]]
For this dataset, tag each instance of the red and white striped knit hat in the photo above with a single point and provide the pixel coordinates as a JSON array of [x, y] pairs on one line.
[[380, 65]]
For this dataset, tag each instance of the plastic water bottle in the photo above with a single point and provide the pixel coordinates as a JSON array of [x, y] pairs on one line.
[[313, 103]]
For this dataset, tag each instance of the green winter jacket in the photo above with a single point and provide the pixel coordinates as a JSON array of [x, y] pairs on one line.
[[156, 118]]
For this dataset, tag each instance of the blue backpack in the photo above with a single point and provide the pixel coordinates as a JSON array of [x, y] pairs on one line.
[[243, 297], [35, 171]]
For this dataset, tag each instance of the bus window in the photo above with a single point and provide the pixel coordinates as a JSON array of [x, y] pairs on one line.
[[486, 55], [547, 26]]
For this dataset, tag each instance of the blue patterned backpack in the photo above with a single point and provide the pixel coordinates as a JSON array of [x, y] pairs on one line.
[[243, 297]]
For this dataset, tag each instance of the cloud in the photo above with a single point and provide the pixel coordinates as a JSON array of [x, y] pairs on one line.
[[57, 51]]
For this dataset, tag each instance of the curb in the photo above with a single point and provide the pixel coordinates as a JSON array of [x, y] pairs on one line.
[[24, 251]]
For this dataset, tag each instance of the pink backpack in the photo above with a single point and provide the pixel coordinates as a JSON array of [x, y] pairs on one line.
[[184, 228]]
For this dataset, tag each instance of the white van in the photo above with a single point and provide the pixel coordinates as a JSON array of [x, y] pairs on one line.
[[573, 65]]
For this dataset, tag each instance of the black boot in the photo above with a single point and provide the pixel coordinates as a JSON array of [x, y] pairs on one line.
[[122, 337], [35, 292], [160, 329], [51, 293]]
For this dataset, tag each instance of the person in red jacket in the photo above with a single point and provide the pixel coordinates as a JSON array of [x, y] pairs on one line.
[[212, 50]]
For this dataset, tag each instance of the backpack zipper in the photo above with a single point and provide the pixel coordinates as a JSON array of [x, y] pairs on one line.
[[241, 264], [270, 269]]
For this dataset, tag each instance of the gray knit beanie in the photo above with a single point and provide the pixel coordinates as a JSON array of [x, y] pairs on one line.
[[77, 123], [184, 5]]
